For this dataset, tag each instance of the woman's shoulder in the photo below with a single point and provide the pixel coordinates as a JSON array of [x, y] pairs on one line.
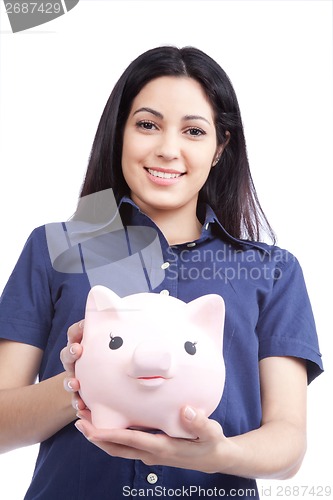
[[273, 252]]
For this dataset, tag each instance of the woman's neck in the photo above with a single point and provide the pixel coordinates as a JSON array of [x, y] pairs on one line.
[[179, 225], [177, 230]]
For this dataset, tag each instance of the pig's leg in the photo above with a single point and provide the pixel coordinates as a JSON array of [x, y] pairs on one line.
[[173, 428], [104, 417]]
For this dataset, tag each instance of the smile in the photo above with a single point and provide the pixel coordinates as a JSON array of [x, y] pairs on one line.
[[164, 175]]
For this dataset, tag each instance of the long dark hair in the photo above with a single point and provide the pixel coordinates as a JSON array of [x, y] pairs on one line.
[[229, 189]]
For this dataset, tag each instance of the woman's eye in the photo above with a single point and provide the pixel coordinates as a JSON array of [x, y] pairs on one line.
[[195, 132], [146, 125]]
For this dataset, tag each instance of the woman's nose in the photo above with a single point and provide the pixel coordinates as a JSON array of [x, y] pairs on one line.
[[168, 147]]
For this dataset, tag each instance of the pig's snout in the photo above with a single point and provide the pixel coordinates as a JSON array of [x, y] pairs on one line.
[[148, 361]]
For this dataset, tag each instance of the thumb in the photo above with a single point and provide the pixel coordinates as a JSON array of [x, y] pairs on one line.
[[199, 425]]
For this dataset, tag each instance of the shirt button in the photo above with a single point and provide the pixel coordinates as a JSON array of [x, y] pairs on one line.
[[165, 292], [191, 244], [152, 478], [165, 265]]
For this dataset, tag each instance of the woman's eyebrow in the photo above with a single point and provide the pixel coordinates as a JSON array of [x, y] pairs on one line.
[[159, 115], [149, 110], [196, 117]]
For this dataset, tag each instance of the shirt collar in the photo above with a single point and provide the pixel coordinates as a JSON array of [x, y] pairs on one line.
[[211, 218], [211, 225]]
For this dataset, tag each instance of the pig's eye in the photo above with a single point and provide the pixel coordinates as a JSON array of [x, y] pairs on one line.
[[190, 348], [115, 342]]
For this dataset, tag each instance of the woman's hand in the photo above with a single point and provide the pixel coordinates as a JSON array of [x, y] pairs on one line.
[[196, 454], [206, 453], [69, 355], [273, 450]]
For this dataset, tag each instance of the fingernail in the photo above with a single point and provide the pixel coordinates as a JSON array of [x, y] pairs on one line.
[[189, 413], [79, 426], [69, 385], [72, 350], [75, 405]]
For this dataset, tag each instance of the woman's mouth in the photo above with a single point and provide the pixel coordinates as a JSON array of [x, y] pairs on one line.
[[164, 177]]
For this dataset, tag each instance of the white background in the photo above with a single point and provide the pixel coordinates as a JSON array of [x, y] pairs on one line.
[[55, 80]]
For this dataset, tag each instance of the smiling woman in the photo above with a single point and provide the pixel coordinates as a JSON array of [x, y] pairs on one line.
[[228, 188], [170, 145]]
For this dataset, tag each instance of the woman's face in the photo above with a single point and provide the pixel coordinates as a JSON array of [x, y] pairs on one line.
[[169, 144]]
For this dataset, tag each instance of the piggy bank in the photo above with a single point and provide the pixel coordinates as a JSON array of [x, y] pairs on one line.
[[147, 355]]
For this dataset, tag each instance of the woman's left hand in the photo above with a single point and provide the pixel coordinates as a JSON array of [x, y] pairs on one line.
[[203, 453]]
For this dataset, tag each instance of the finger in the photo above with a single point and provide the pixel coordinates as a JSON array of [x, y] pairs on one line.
[[106, 441], [129, 438], [77, 402], [86, 428], [68, 356], [199, 425], [113, 449], [74, 337], [71, 353], [75, 332], [71, 384], [84, 414]]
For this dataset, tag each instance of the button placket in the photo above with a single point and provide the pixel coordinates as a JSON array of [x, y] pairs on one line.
[[169, 265]]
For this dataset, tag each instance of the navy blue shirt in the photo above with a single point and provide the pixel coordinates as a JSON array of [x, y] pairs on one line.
[[267, 314]]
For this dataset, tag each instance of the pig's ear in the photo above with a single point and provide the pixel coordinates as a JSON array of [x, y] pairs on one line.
[[101, 298], [208, 312]]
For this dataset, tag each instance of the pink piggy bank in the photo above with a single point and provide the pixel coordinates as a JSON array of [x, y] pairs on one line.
[[147, 355]]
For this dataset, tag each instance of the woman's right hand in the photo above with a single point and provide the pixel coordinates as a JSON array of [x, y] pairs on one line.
[[69, 355]]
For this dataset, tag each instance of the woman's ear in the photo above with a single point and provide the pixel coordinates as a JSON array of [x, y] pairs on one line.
[[220, 149]]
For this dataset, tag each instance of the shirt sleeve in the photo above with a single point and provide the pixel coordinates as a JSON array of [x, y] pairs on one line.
[[286, 325], [26, 308]]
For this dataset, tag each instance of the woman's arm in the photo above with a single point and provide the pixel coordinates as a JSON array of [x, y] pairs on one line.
[[29, 412], [275, 450]]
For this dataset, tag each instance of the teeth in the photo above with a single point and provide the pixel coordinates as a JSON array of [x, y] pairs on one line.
[[163, 175]]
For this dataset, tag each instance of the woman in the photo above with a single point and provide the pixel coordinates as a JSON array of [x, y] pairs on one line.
[[170, 145]]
